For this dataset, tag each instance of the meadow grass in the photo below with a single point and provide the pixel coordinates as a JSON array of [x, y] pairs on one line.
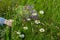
[[49, 21]]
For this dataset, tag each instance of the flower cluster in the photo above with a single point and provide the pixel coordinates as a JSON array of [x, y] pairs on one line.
[[20, 35], [27, 11], [29, 18], [25, 28]]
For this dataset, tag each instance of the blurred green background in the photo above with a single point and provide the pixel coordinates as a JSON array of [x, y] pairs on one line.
[[50, 18]]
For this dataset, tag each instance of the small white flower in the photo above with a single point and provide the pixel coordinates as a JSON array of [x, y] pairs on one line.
[[18, 33], [37, 21], [42, 30], [34, 14], [41, 12], [22, 35], [25, 28], [28, 19]]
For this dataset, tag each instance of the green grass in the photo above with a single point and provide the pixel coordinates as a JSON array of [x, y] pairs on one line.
[[50, 18]]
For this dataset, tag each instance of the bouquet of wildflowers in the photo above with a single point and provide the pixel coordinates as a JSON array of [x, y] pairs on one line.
[[27, 22]]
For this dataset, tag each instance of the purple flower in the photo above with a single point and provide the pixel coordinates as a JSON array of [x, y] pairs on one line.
[[34, 17], [29, 7], [34, 14], [33, 11]]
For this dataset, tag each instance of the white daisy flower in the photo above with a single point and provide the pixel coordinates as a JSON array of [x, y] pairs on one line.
[[34, 14], [28, 19], [37, 21], [41, 12], [25, 28], [18, 33], [22, 35], [42, 30]]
